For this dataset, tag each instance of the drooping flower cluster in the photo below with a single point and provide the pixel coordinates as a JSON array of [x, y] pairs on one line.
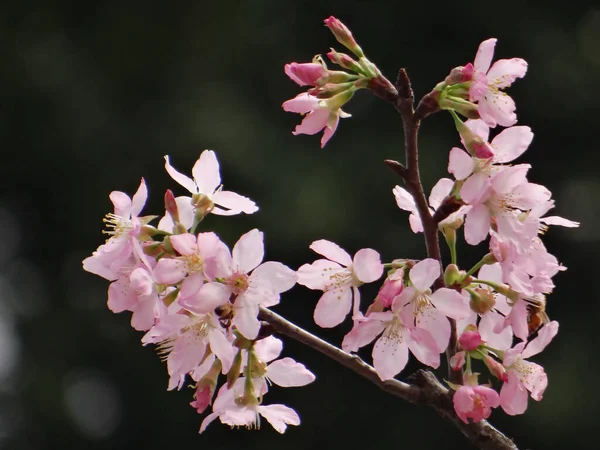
[[197, 300], [332, 89]]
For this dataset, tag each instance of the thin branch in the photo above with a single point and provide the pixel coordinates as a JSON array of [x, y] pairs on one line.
[[425, 390], [413, 183]]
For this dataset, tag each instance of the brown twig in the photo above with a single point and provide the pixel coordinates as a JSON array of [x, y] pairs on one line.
[[424, 390]]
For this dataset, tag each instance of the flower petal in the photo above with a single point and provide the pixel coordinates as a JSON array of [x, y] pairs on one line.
[[180, 178], [367, 265], [331, 251], [274, 275], [279, 416], [206, 172], [390, 355], [248, 251], [505, 71], [235, 203], [424, 273], [318, 274], [286, 372], [450, 303], [511, 143], [460, 164], [484, 55], [332, 308], [139, 199], [477, 224]]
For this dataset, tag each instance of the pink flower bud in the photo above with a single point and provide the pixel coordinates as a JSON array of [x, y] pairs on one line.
[[470, 340], [305, 73], [392, 286], [495, 368], [343, 35], [458, 361], [345, 61], [171, 206]]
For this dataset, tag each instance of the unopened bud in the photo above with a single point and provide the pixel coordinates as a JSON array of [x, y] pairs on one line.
[[452, 275], [345, 61], [476, 145], [470, 339], [234, 371], [171, 206], [330, 89], [343, 35], [392, 286], [482, 300], [495, 368], [458, 361]]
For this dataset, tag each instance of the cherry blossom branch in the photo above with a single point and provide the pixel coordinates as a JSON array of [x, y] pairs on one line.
[[425, 390], [411, 123]]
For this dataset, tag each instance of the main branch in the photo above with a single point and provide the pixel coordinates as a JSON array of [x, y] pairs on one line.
[[425, 390]]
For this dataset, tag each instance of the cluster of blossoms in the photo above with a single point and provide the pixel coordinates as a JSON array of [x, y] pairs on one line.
[[199, 301], [500, 315]]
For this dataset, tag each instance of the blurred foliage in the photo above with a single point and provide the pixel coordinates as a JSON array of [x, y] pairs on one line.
[[93, 94]]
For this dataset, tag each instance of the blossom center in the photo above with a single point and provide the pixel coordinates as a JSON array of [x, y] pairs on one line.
[[239, 282], [193, 263], [117, 225]]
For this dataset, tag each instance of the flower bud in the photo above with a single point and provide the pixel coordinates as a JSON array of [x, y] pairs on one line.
[[305, 73], [482, 300], [205, 388], [476, 146], [234, 371], [458, 361], [343, 35], [330, 89], [470, 339], [452, 275], [392, 286], [495, 368], [345, 61]]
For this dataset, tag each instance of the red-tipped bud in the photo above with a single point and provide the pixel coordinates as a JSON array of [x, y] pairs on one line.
[[171, 206], [495, 368], [343, 35], [458, 361], [392, 286], [345, 61]]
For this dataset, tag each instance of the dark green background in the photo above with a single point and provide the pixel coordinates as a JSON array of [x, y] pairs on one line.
[[93, 94]]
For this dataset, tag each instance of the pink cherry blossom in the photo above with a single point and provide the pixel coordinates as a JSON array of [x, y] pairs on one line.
[[187, 339], [196, 264], [124, 228], [398, 336], [432, 310], [440, 191], [231, 412], [339, 277], [494, 106], [475, 402], [525, 375], [252, 284], [137, 293], [507, 146], [206, 187], [502, 197], [320, 114]]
